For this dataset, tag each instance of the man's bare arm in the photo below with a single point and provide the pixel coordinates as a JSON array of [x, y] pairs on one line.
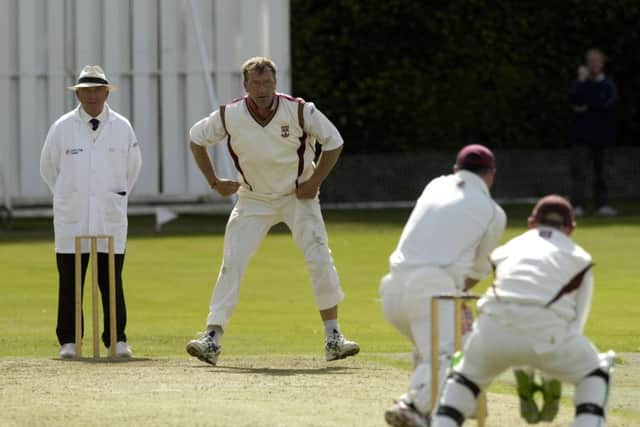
[[328, 160], [225, 187]]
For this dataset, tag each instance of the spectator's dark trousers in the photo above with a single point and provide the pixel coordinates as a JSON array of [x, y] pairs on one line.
[[65, 330], [594, 129], [583, 158]]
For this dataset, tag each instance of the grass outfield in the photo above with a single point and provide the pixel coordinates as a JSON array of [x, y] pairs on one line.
[[169, 277]]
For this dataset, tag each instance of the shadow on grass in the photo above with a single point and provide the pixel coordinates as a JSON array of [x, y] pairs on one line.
[[105, 360], [283, 372]]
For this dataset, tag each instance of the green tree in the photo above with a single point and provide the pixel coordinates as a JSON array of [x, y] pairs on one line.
[[399, 75]]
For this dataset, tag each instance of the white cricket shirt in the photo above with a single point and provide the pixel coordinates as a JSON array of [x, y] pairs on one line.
[[455, 225], [274, 155], [541, 267]]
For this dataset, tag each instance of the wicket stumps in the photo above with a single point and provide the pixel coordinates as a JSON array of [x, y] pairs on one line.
[[481, 403], [93, 240]]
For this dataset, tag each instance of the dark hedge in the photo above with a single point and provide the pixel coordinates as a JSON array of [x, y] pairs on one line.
[[411, 75]]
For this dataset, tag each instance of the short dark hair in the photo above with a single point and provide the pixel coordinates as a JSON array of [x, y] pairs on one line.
[[259, 64], [477, 171]]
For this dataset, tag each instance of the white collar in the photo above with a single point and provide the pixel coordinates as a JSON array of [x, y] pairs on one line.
[[558, 232], [103, 116], [473, 179], [600, 77]]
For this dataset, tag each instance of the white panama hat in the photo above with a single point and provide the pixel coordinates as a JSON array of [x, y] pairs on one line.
[[92, 76]]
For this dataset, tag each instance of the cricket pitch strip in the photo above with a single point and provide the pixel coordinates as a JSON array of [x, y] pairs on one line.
[[241, 391]]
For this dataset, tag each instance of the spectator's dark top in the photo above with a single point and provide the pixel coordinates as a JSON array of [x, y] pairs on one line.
[[597, 124]]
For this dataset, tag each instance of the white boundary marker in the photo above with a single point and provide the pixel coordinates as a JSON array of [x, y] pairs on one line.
[[224, 208]]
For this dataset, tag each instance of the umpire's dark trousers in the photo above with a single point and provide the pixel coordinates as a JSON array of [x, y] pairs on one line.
[[65, 330], [583, 158]]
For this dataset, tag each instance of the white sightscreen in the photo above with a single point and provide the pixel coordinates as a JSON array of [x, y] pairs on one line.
[[150, 51]]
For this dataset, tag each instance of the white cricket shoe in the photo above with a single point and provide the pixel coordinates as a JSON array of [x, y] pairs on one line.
[[123, 350], [606, 211], [68, 350], [578, 211], [337, 347], [403, 414], [205, 348]]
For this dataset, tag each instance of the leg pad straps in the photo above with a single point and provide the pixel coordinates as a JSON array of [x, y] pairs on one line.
[[461, 379], [451, 412], [599, 373], [590, 408]]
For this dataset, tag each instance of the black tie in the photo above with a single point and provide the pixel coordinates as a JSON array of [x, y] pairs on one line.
[[94, 123]]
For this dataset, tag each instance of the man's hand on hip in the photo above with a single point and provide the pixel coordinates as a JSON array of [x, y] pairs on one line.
[[226, 187], [308, 189]]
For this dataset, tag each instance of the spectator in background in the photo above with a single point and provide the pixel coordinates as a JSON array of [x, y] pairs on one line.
[[593, 99]]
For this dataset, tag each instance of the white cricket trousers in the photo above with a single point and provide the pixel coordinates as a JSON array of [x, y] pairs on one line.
[[406, 304], [517, 337], [509, 335], [248, 224]]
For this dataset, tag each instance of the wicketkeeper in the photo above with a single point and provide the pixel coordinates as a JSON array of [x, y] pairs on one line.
[[534, 315]]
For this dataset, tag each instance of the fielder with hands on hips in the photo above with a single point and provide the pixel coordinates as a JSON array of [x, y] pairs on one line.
[[534, 315], [90, 161], [444, 249], [271, 138]]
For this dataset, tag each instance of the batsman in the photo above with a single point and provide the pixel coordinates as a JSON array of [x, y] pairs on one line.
[[444, 248], [271, 138]]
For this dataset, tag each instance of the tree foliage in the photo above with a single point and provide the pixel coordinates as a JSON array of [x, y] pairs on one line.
[[401, 75]]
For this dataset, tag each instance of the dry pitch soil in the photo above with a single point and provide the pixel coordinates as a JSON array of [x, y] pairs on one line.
[[242, 391]]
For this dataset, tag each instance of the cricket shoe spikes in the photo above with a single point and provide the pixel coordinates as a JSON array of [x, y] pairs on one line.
[[205, 348], [337, 347], [403, 414]]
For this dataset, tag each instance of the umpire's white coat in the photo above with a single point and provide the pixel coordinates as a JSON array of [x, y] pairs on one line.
[[85, 178]]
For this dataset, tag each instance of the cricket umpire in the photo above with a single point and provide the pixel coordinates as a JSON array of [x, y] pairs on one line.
[[271, 138], [90, 161]]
